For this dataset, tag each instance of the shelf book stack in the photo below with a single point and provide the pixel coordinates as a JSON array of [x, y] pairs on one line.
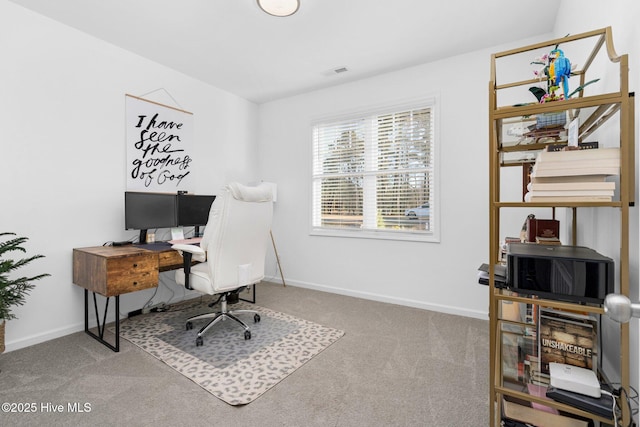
[[574, 176]]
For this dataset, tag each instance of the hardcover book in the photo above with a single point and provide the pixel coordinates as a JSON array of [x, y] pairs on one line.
[[569, 179], [582, 186], [587, 145], [542, 228], [566, 337], [567, 199], [599, 161], [570, 156]]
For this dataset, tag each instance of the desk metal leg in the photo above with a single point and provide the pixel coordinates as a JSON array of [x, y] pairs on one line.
[[101, 326]]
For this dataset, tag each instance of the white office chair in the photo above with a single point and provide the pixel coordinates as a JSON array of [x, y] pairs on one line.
[[232, 252]]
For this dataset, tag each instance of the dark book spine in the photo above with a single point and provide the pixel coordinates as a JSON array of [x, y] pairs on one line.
[[587, 145]]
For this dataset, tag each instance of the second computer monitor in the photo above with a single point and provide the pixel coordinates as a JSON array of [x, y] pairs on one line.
[[193, 209]]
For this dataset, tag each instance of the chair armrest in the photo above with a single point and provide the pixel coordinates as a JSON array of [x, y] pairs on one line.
[[196, 251], [189, 253]]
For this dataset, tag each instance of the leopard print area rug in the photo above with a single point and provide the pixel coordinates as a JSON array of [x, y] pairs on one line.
[[231, 368]]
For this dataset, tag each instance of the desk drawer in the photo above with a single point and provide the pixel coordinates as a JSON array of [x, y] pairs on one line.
[[132, 273], [170, 260]]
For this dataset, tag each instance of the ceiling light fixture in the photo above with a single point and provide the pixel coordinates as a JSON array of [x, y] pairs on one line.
[[279, 7]]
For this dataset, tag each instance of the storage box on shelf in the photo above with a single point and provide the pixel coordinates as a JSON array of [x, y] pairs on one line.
[[520, 130]]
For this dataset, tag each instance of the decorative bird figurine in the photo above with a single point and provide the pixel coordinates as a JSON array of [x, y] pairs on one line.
[[560, 70]]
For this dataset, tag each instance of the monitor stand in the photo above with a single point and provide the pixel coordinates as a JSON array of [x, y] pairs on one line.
[[143, 237]]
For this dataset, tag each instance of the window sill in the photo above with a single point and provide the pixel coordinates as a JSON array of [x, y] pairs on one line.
[[429, 237]]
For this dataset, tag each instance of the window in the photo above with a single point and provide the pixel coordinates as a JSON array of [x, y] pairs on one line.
[[373, 174]]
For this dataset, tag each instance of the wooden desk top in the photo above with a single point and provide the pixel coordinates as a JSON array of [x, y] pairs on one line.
[[111, 251]]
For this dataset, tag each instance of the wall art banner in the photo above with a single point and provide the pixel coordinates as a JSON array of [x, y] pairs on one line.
[[159, 145]]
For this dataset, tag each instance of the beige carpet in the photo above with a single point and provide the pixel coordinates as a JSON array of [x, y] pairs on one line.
[[395, 366], [231, 368]]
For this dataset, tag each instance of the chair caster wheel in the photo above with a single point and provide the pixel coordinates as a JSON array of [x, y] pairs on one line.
[[256, 318], [199, 341], [247, 335], [189, 326]]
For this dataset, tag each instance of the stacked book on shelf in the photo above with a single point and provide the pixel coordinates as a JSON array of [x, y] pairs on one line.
[[574, 176]]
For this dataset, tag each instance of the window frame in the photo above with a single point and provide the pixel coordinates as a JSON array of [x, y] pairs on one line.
[[433, 103]]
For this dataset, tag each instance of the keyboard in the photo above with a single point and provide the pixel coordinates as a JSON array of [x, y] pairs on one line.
[[191, 241]]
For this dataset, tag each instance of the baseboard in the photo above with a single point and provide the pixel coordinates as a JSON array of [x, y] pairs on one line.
[[40, 338], [482, 315], [79, 327]]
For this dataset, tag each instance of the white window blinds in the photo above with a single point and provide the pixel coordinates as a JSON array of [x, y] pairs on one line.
[[375, 172]]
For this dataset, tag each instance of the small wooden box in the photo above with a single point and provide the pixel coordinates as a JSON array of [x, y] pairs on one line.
[[542, 228]]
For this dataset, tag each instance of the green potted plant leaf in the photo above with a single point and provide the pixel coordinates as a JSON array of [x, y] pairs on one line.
[[13, 290]]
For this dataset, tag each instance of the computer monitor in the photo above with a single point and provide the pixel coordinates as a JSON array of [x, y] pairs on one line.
[[144, 211], [193, 210]]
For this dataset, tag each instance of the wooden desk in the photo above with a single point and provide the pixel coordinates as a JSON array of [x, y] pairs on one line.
[[111, 271]]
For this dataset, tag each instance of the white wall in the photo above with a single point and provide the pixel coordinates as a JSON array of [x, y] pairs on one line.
[[439, 276], [63, 153]]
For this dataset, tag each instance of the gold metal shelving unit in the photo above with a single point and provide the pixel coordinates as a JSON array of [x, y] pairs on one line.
[[594, 111]]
